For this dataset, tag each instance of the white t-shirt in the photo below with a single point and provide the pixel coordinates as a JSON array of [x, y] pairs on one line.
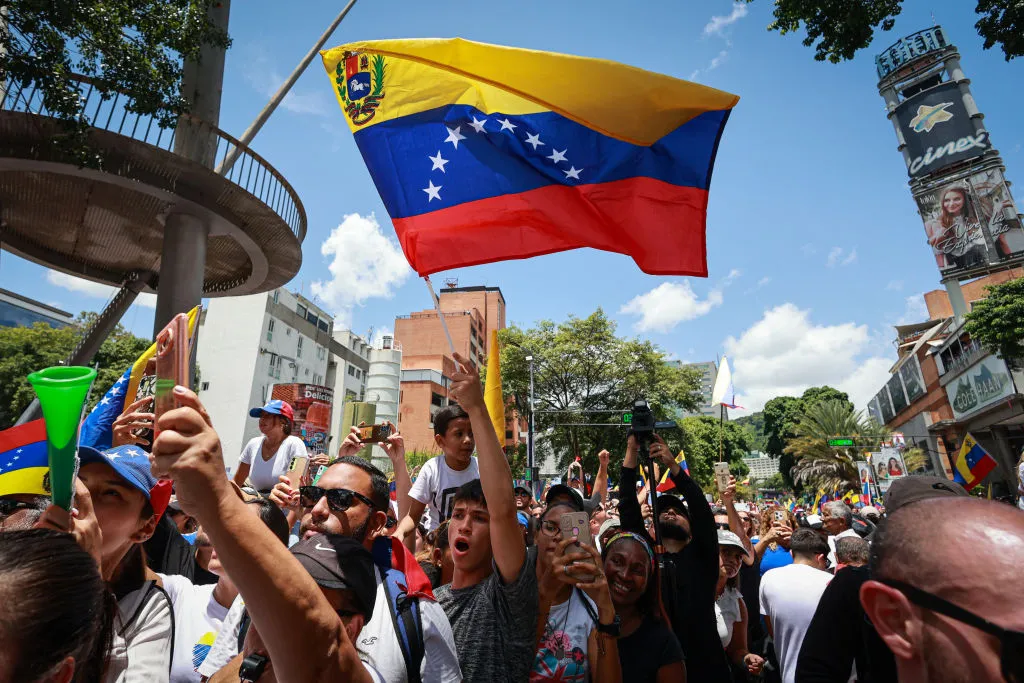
[[436, 485], [141, 649], [789, 597], [727, 611], [264, 474], [225, 645], [197, 621], [378, 643], [832, 545], [562, 655]]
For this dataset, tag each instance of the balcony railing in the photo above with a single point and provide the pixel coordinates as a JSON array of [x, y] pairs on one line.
[[971, 353], [249, 171]]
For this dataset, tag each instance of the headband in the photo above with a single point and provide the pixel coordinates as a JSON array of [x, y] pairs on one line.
[[636, 537]]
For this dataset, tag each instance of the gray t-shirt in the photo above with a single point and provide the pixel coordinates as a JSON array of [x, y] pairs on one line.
[[494, 625]]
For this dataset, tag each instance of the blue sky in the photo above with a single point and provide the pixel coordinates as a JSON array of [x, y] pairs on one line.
[[815, 247]]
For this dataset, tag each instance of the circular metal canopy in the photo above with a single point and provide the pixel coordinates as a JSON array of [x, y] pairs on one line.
[[105, 224]]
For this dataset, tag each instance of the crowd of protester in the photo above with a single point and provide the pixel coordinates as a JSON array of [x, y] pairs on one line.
[[461, 574]]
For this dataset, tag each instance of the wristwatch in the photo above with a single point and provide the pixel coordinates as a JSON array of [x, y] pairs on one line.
[[613, 629]]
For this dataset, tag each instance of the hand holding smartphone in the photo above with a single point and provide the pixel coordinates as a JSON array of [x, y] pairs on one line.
[[171, 363], [722, 476]]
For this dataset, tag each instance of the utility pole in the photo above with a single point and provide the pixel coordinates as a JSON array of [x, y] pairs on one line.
[[529, 432]]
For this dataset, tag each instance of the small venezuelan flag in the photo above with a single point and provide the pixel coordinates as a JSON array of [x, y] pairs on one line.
[[24, 464], [666, 484], [484, 153], [973, 464]]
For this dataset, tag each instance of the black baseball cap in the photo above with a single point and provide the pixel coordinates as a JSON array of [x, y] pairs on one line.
[[574, 499], [340, 563], [917, 487], [667, 500]]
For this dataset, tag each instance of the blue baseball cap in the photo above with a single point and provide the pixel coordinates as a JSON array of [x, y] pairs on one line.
[[132, 464], [523, 519], [275, 407]]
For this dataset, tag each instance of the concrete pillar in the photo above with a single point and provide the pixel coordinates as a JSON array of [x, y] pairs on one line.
[[201, 84], [182, 266], [956, 74], [956, 299], [892, 101]]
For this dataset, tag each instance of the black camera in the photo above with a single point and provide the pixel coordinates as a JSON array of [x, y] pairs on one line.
[[643, 423]]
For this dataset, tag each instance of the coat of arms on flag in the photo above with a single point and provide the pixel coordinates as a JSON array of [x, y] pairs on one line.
[[362, 88]]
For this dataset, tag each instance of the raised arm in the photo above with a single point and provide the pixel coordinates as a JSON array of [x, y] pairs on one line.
[[601, 479], [495, 476], [292, 614], [629, 507], [702, 522], [395, 448], [735, 523]]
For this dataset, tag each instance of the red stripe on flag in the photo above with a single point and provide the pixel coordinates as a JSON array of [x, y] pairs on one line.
[[22, 435], [660, 225]]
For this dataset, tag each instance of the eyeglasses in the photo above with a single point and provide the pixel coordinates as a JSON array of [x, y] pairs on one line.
[[550, 529], [1011, 643], [722, 525], [338, 500]]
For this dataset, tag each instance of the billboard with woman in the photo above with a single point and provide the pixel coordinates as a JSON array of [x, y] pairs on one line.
[[971, 223]]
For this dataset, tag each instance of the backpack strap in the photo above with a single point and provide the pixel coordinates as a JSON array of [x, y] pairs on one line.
[[586, 604], [405, 615]]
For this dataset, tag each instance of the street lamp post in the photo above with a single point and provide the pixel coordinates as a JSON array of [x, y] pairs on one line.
[[529, 432]]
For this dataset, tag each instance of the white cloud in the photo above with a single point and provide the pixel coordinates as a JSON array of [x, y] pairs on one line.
[[894, 286], [365, 264], [760, 283], [380, 333], [266, 79], [718, 23], [93, 290], [669, 304], [716, 61], [838, 256], [914, 310], [785, 352]]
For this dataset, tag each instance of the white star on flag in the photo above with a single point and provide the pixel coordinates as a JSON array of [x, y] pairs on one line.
[[478, 126], [506, 125], [132, 452], [18, 451], [573, 173], [432, 191], [120, 381], [454, 136], [17, 456], [115, 391], [534, 140], [557, 156], [104, 401], [438, 162]]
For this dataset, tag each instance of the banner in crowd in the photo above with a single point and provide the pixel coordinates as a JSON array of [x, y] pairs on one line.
[[886, 467], [867, 480], [312, 405], [938, 131], [971, 223]]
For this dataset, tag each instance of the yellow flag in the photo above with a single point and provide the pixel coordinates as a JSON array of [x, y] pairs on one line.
[[492, 389]]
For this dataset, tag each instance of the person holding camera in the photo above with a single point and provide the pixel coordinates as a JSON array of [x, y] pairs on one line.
[[690, 577]]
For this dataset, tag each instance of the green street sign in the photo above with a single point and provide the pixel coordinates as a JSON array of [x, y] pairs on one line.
[[841, 443], [627, 418]]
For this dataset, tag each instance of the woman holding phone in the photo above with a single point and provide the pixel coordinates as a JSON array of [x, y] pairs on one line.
[[773, 546], [574, 602], [266, 458]]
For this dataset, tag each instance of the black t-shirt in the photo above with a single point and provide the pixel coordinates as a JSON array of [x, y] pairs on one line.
[[646, 650]]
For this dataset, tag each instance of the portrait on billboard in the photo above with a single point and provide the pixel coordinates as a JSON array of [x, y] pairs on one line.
[[938, 131], [971, 223]]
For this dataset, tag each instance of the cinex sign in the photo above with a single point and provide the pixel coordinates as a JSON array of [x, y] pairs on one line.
[[938, 130]]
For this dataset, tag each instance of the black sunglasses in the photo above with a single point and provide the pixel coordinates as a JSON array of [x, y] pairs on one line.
[[722, 525], [338, 500], [1011, 642]]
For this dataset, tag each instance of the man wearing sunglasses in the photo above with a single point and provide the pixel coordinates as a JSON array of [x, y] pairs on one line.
[[351, 499], [958, 617]]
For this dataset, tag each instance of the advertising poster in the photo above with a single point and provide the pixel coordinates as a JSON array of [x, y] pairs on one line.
[[312, 405], [981, 385], [887, 466], [971, 223], [867, 480], [938, 131]]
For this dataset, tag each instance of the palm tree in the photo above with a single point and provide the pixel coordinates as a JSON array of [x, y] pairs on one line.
[[826, 467], [915, 460]]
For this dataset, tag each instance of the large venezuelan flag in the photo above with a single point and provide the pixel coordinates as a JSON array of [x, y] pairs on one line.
[[484, 153]]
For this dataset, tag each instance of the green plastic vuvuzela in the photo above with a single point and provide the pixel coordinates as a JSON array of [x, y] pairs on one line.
[[62, 390]]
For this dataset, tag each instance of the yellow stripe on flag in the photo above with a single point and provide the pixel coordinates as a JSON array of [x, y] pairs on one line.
[[139, 366], [493, 399], [28, 480], [424, 74]]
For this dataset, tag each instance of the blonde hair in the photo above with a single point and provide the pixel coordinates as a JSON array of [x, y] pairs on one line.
[[768, 519]]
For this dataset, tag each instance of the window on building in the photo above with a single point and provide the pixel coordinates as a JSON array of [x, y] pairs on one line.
[[311, 317], [435, 399], [359, 373], [276, 292], [307, 372], [264, 393], [323, 325], [205, 386], [277, 368], [301, 310], [287, 331], [270, 330], [273, 361], [298, 349], [351, 370], [508, 434]]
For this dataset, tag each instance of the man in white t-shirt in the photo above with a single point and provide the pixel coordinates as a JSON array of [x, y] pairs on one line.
[[789, 597], [349, 514], [836, 520], [439, 478]]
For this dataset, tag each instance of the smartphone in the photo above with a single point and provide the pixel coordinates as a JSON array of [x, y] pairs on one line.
[[576, 525], [171, 363], [780, 517], [374, 433], [297, 469], [722, 475]]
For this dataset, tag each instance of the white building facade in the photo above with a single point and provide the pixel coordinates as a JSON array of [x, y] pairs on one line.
[[762, 466], [347, 375]]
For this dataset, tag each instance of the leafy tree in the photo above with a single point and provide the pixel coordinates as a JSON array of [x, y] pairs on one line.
[[754, 424], [132, 47], [780, 417], [838, 29], [774, 482], [827, 467], [998, 321], [23, 350], [699, 441], [581, 366], [915, 460]]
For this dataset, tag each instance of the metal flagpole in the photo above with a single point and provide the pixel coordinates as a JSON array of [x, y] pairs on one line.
[[232, 156], [440, 315]]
